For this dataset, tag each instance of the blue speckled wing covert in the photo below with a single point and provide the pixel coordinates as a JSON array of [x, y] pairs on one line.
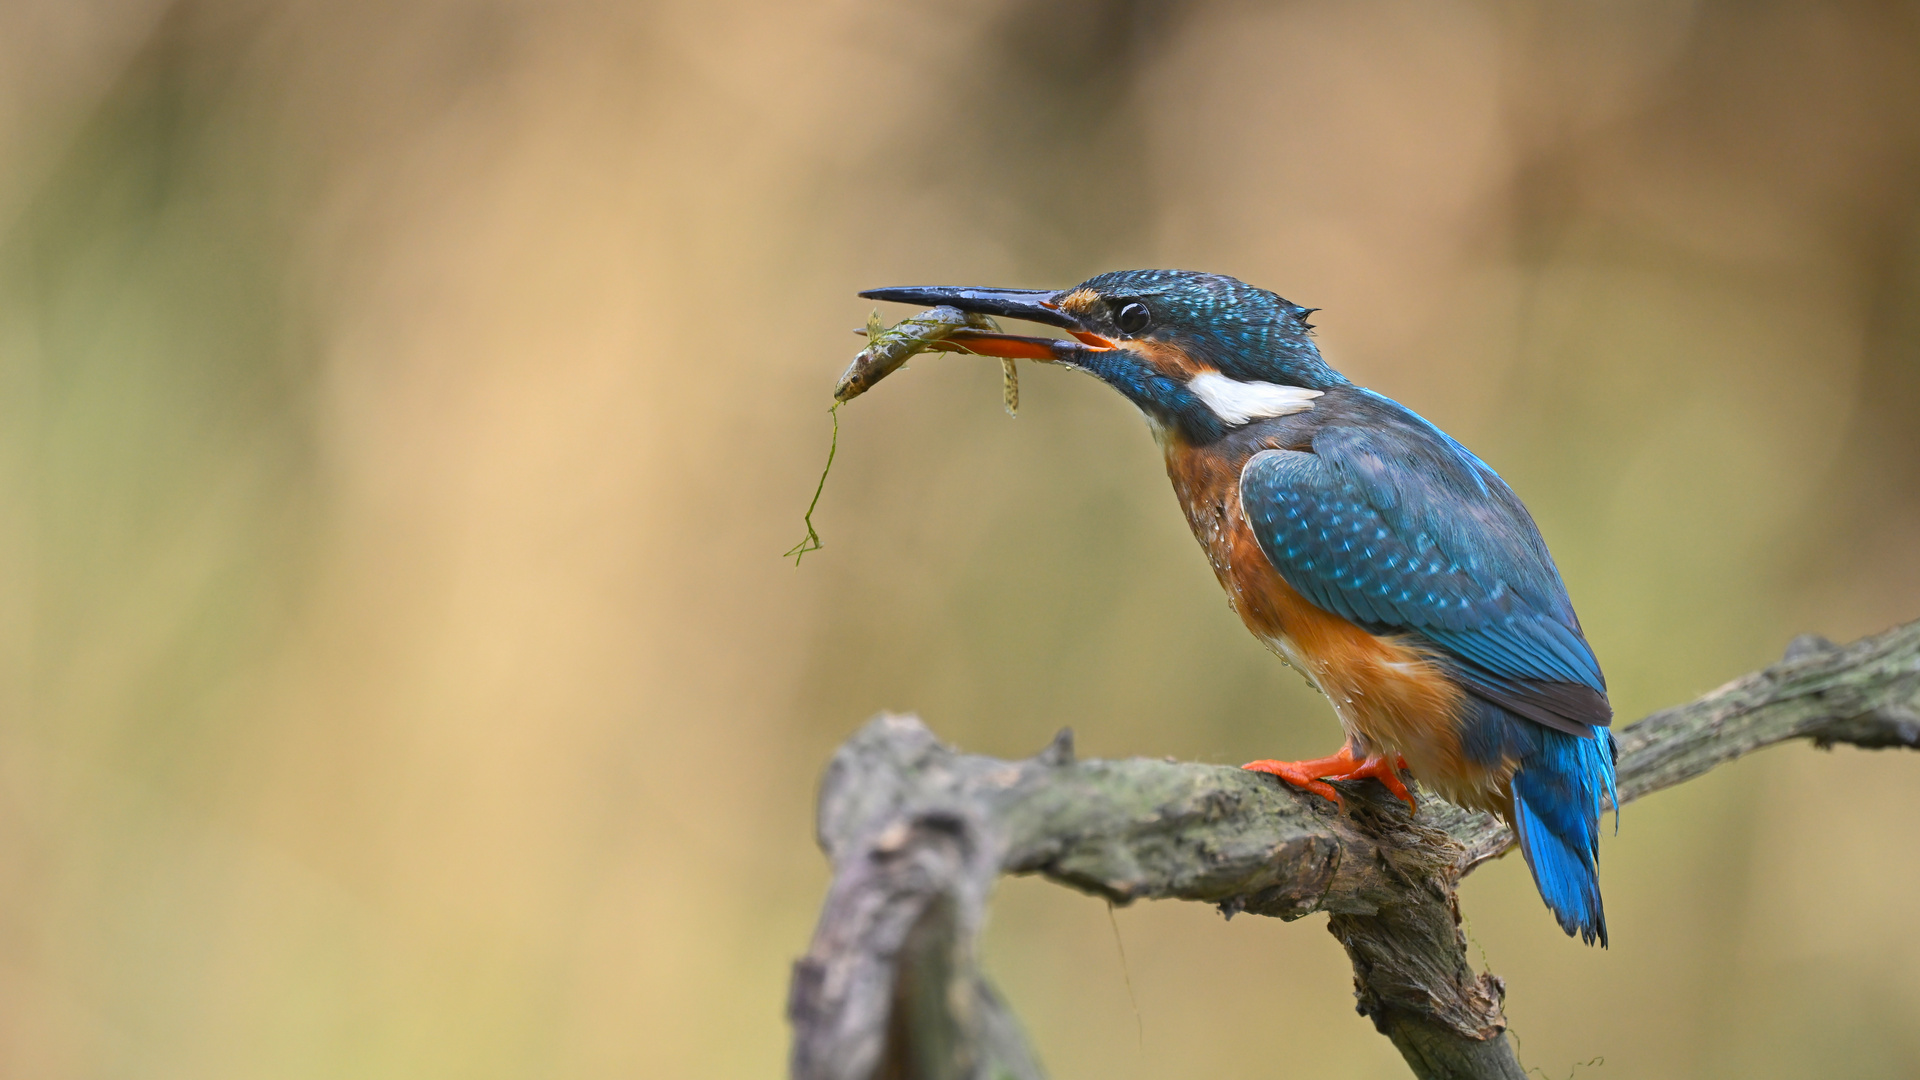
[[1402, 530]]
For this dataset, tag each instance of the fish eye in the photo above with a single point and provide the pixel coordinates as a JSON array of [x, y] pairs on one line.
[[1132, 318]]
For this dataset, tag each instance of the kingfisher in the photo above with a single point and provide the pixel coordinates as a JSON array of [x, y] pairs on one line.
[[1363, 545]]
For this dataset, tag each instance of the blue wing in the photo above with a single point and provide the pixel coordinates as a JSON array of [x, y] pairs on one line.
[[1400, 529]]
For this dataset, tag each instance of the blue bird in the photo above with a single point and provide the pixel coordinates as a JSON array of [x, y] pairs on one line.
[[1363, 545]]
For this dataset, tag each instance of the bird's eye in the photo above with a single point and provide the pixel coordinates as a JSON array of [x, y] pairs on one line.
[[1132, 318]]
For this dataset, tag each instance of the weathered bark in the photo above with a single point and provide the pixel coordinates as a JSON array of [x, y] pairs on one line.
[[917, 833]]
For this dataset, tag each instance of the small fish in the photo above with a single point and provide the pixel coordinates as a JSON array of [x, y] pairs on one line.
[[889, 347]]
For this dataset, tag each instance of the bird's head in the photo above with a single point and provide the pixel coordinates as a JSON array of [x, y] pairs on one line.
[[1200, 354]]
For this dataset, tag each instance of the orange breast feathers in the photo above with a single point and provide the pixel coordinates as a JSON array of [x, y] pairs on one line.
[[1389, 693]]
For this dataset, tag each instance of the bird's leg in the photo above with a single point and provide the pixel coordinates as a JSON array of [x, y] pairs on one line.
[[1311, 775]]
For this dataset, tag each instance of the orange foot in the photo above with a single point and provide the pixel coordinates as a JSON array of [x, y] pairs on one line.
[[1341, 766]]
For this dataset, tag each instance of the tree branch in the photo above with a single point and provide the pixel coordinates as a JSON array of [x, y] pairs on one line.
[[917, 833]]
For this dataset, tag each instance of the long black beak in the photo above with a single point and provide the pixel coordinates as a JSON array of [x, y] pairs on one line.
[[1031, 305]]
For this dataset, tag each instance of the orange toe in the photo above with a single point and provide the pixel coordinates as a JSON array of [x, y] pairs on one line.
[[1312, 775], [1293, 773], [1307, 774]]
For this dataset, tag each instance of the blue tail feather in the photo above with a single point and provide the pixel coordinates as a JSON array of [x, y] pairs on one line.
[[1558, 793], [1557, 796]]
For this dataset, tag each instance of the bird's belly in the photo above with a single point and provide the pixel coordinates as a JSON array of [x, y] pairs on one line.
[[1394, 701], [1390, 696]]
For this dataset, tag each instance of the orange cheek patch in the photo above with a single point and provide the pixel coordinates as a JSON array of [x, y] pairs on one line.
[[1170, 360]]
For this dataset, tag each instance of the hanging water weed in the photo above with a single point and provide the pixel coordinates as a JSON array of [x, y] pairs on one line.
[[811, 542]]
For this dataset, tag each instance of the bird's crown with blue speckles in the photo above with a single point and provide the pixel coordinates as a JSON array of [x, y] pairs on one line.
[[1245, 331]]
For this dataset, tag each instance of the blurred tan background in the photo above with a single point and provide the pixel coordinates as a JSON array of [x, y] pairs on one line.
[[403, 408]]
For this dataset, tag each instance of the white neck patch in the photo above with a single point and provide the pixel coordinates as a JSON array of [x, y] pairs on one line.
[[1237, 402]]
